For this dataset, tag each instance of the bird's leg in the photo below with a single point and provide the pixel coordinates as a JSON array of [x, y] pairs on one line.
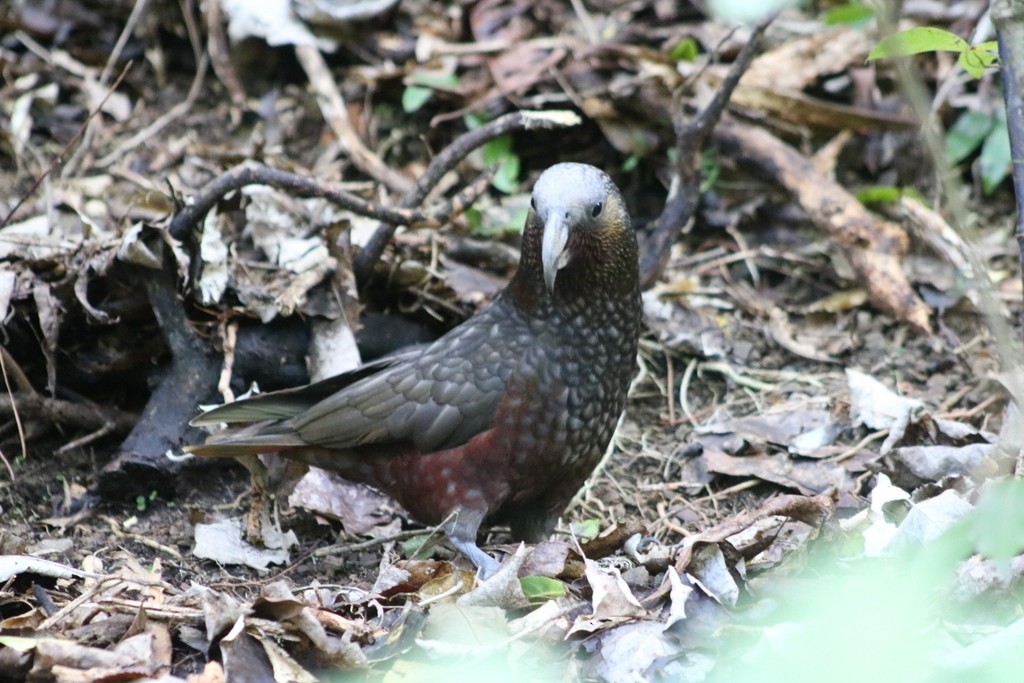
[[254, 523], [532, 524], [461, 529]]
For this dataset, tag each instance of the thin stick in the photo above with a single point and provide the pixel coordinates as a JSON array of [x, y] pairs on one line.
[[445, 161], [335, 112], [17, 417], [684, 190], [253, 173], [115, 54], [162, 122], [71, 143], [670, 379]]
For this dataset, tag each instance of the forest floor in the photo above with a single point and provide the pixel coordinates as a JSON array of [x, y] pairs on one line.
[[822, 409]]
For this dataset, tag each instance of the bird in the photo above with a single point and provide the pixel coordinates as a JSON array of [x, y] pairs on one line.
[[502, 419]]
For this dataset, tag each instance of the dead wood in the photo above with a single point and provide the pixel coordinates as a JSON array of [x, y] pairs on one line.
[[33, 406], [684, 190], [142, 460], [254, 173], [873, 246]]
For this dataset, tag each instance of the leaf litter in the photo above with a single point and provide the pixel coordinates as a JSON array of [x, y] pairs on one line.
[[769, 438]]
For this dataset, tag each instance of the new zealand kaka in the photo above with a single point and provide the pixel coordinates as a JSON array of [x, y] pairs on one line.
[[504, 417]]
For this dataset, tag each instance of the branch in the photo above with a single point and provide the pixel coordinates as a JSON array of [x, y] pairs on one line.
[[1008, 18], [445, 161], [684, 190], [254, 173]]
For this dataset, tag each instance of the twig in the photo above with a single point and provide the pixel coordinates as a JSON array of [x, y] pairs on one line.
[[162, 122], [586, 21], [86, 440], [684, 390], [670, 380], [332, 106], [86, 416], [1009, 20], [967, 413], [445, 161], [11, 366], [220, 55], [115, 54], [229, 335], [732, 373], [17, 417], [157, 611], [119, 532], [373, 542], [254, 173], [71, 143], [465, 198], [860, 445], [684, 190]]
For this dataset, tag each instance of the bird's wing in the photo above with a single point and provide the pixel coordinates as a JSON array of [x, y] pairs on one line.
[[440, 399], [287, 403]]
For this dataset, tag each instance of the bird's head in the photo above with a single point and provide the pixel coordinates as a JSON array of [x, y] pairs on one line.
[[578, 217]]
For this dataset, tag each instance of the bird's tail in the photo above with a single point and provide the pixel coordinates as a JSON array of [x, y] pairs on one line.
[[262, 437]]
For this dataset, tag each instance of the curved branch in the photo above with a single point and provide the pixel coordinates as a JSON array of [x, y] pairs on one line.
[[254, 173], [445, 161]]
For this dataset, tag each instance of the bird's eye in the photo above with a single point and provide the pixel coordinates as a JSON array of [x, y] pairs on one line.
[[533, 203], [596, 211]]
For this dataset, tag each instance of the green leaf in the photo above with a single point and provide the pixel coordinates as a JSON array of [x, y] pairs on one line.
[[415, 97], [475, 219], [684, 51], [886, 194], [474, 121], [995, 156], [434, 79], [541, 588], [916, 40], [879, 194], [586, 529], [852, 14], [967, 134], [980, 57], [991, 46], [421, 86], [498, 150], [710, 169], [418, 547], [507, 178]]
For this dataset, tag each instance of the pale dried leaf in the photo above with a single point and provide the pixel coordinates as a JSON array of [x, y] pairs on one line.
[[361, 509], [875, 405], [928, 519], [709, 570], [222, 542], [271, 20]]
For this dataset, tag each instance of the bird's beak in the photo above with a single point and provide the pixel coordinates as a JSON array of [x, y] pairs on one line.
[[553, 255]]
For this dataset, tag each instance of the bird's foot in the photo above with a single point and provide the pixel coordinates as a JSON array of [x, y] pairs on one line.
[[485, 564], [460, 528]]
